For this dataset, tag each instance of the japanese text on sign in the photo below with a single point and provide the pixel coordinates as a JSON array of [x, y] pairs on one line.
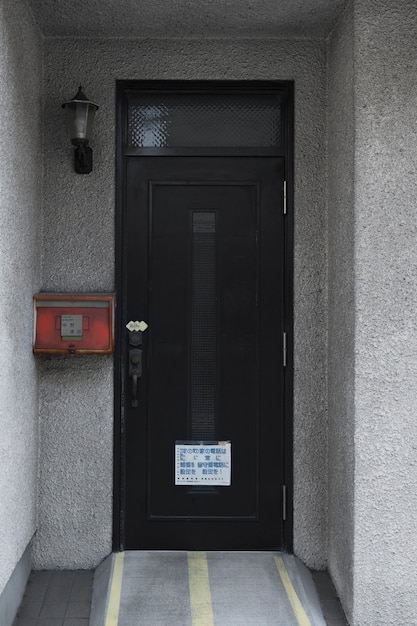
[[71, 325], [203, 463]]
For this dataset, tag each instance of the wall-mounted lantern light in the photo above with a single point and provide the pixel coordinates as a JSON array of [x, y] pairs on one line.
[[80, 113]]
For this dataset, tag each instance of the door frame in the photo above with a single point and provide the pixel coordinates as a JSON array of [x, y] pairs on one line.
[[286, 91]]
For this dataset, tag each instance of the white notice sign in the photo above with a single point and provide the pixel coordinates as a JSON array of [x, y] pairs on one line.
[[203, 463]]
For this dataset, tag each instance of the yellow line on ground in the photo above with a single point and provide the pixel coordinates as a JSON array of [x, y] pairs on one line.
[[112, 616], [297, 607], [200, 596]]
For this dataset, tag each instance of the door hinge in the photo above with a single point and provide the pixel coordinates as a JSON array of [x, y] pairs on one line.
[[284, 349], [285, 196], [284, 502]]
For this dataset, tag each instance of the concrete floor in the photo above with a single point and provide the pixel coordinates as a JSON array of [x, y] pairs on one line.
[[208, 589], [184, 589]]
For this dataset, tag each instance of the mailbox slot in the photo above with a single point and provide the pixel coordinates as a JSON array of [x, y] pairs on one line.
[[73, 323]]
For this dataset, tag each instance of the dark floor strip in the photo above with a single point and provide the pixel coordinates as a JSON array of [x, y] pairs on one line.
[[56, 598]]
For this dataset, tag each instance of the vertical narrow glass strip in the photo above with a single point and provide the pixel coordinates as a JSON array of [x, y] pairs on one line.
[[203, 326]]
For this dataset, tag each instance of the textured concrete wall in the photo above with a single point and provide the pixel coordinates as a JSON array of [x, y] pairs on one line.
[[75, 491], [385, 573], [341, 359], [20, 250], [77, 394]]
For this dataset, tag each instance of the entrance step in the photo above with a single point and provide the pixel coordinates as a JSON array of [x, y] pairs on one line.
[[156, 588]]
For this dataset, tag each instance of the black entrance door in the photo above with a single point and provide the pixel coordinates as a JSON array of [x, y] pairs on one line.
[[204, 268]]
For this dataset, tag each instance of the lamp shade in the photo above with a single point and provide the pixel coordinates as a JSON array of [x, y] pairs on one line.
[[80, 113]]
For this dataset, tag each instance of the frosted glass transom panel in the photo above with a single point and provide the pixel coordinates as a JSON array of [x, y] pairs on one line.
[[206, 121]]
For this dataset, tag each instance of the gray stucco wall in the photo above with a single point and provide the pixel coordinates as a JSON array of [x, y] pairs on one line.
[[341, 263], [372, 304], [385, 549], [77, 394], [20, 250]]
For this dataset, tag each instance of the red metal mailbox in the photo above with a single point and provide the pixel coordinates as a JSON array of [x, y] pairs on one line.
[[73, 323]]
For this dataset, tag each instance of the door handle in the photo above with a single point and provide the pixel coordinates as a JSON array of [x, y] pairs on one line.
[[136, 330], [135, 372]]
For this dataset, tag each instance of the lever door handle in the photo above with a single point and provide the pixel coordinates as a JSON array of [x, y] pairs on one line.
[[134, 391]]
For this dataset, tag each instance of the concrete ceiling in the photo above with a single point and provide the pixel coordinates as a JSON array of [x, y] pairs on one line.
[[186, 18]]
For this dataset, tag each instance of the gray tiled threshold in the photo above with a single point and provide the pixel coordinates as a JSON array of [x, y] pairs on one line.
[[330, 603], [245, 589], [56, 598]]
